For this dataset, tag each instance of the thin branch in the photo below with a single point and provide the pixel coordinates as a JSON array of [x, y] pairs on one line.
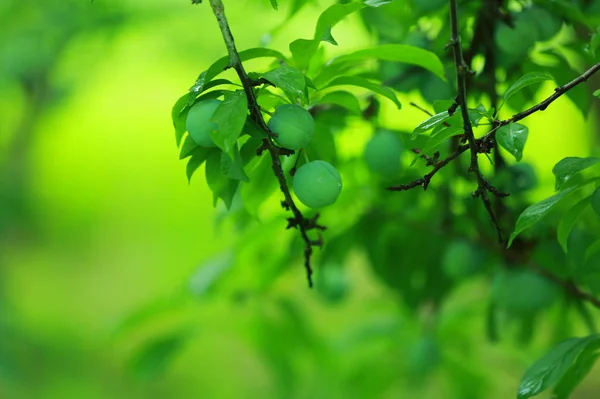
[[299, 221], [511, 256], [489, 137], [462, 70], [567, 286], [558, 92], [425, 180], [417, 106]]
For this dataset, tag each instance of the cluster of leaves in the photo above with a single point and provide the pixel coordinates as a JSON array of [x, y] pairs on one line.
[[421, 246]]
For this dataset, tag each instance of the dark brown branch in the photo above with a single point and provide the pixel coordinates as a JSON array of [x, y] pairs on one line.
[[558, 92], [427, 112], [567, 286], [425, 180], [462, 71], [489, 139], [299, 221]]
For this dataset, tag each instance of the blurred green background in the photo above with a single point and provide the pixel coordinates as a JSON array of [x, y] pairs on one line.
[[100, 232]]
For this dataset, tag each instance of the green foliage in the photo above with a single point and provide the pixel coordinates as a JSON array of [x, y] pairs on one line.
[[522, 291], [569, 167], [526, 80], [312, 101], [512, 137], [565, 364], [595, 199], [229, 119], [416, 293]]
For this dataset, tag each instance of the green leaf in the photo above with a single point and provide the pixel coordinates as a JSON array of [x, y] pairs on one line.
[[202, 84], [476, 114], [249, 149], [222, 63], [568, 167], [534, 213], [288, 79], [430, 123], [512, 137], [230, 118], [443, 105], [367, 84], [397, 53], [583, 364], [210, 272], [199, 155], [343, 99], [189, 145], [178, 117], [526, 80], [441, 136], [596, 93], [521, 291], [233, 168], [332, 15], [221, 186], [303, 50], [274, 4], [154, 357], [594, 44], [327, 37], [263, 184], [592, 249], [551, 368], [377, 3], [568, 221]]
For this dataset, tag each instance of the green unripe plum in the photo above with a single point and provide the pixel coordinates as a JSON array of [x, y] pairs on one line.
[[596, 201], [293, 125], [382, 154], [198, 122], [317, 184]]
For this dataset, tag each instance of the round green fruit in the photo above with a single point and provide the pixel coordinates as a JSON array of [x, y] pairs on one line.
[[317, 184], [382, 154], [596, 201], [293, 125], [198, 122]]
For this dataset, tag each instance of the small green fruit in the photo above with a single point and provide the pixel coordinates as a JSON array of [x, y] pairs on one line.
[[198, 122], [293, 125], [317, 184], [596, 201], [382, 154]]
